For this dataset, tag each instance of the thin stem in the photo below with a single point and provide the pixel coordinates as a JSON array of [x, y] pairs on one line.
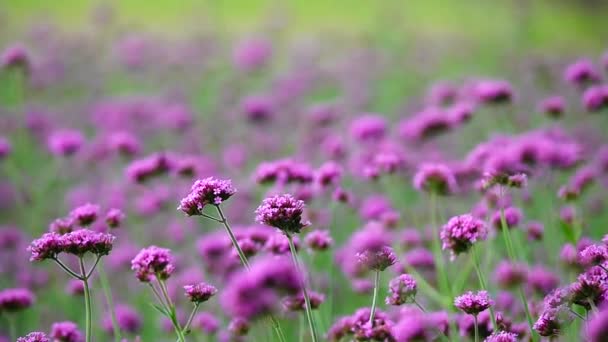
[[93, 268], [87, 300], [177, 327], [211, 218], [12, 327], [158, 296], [476, 328], [482, 282], [186, 329], [232, 237], [592, 305], [277, 328], [311, 322], [375, 296], [577, 314], [105, 285], [436, 245], [67, 269]]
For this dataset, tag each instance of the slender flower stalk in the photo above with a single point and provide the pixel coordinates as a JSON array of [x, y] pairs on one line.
[[436, 245], [476, 328], [87, 300], [105, 285], [375, 296], [482, 282], [309, 316]]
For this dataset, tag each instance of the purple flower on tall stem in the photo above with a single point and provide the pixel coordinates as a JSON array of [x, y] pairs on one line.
[[402, 289], [66, 332], [461, 232], [435, 178], [200, 292], [472, 304]]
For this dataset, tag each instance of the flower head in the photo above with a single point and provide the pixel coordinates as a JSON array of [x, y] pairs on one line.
[[597, 327], [401, 289], [114, 218], [461, 232], [15, 56], [502, 336], [48, 246], [297, 302], [208, 191], [594, 255], [85, 214], [66, 332], [551, 321], [84, 241], [377, 259], [319, 240], [436, 178], [17, 299], [283, 212], [473, 303], [200, 292], [153, 262], [65, 142], [34, 337]]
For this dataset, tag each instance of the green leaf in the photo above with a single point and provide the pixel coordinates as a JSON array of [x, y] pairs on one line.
[[160, 309]]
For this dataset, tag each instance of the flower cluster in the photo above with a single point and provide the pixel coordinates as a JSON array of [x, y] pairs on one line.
[[401, 289], [200, 292], [152, 262], [78, 242], [377, 259], [283, 212], [461, 232], [16, 299], [208, 191], [473, 303]]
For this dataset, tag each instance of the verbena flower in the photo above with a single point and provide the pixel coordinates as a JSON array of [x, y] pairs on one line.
[[597, 327], [594, 255], [65, 142], [127, 318], [401, 289], [552, 321], [66, 332], [200, 292], [502, 336], [80, 242], [16, 299], [319, 240], [15, 56], [152, 262], [34, 337], [377, 259], [436, 178], [461, 232], [114, 218], [283, 212], [208, 191], [297, 303], [473, 303], [85, 214]]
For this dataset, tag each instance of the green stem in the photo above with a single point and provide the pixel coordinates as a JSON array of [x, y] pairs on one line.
[[68, 270], [482, 282], [476, 328], [187, 326], [12, 327], [375, 296], [173, 316], [87, 300], [105, 285], [442, 279], [311, 322]]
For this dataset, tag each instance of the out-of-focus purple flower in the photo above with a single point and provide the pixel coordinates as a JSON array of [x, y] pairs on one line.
[[124, 143], [322, 114], [551, 321], [65, 142], [207, 322], [513, 217], [509, 275], [597, 327], [16, 299], [127, 318], [377, 259], [401, 289], [493, 91], [535, 230], [200, 292], [473, 303], [368, 127], [589, 287], [35, 336], [319, 240], [296, 302], [114, 218], [208, 191], [62, 225], [283, 212], [85, 214], [252, 54], [138, 171], [581, 72], [437, 178], [461, 232], [75, 287], [441, 93], [426, 124], [502, 336], [239, 326], [258, 108], [328, 174], [15, 56], [284, 171], [595, 98], [152, 262], [553, 106], [542, 280], [5, 147], [66, 331]]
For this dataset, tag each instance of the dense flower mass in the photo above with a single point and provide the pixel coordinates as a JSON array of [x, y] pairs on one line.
[[461, 232], [200, 292], [153, 262], [78, 242], [435, 178], [16, 299], [473, 303], [66, 332], [34, 337], [401, 289], [283, 212], [377, 259], [208, 191]]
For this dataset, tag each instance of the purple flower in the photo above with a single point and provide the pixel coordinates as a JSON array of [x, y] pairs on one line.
[[15, 56], [595, 98], [513, 217], [597, 327], [114, 218], [208, 191], [34, 337], [239, 326], [581, 72], [401, 289], [62, 225], [328, 174], [16, 299], [124, 142], [553, 106], [594, 255], [46, 247], [590, 286], [153, 262], [473, 303], [127, 318], [502, 336], [377, 259], [84, 241], [252, 54], [66, 332], [436, 178], [86, 214], [297, 303], [283, 212], [493, 91], [368, 127], [427, 124], [207, 322], [508, 275], [283, 171], [551, 321], [65, 142], [319, 240], [461, 232], [139, 171], [5, 147], [258, 108], [200, 292]]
